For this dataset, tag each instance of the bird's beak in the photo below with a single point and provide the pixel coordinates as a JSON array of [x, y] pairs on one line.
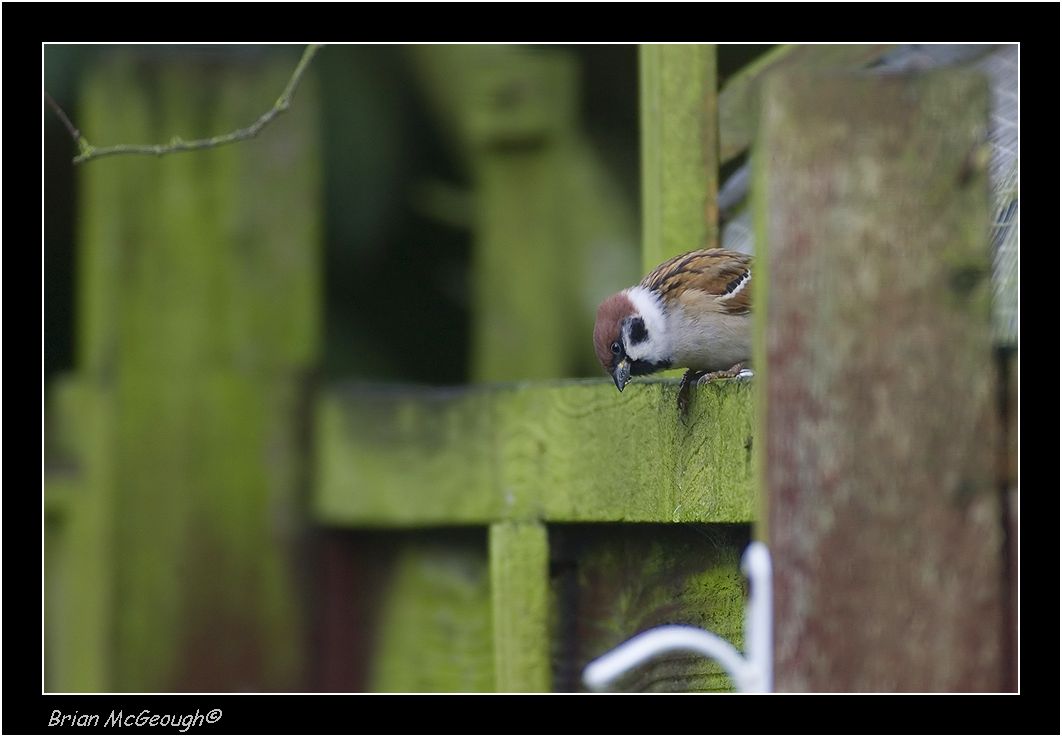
[[622, 374]]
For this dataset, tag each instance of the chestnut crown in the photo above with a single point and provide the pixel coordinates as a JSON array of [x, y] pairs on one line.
[[608, 330]]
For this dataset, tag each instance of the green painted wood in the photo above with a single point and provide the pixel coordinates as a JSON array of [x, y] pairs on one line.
[[739, 100], [612, 582], [433, 630], [78, 538], [882, 421], [680, 172], [521, 117], [584, 217], [519, 576], [199, 313], [558, 451], [391, 456]]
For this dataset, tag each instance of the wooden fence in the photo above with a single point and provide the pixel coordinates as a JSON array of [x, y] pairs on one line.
[[216, 521]]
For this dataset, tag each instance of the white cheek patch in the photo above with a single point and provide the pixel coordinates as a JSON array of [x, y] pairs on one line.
[[657, 346]]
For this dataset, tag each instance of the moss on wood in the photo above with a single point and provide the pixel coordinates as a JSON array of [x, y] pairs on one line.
[[563, 451]]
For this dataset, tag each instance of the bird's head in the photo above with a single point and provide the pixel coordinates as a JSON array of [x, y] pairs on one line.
[[629, 336]]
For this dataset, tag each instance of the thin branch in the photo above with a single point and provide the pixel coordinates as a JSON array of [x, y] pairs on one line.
[[176, 144], [74, 132]]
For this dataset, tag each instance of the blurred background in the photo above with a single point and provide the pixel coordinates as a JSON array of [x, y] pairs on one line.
[[196, 303], [432, 216], [395, 183]]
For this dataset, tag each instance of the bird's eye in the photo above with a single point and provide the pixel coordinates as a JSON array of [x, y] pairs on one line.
[[616, 347]]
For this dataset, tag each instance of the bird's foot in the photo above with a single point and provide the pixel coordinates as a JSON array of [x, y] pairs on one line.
[[689, 378], [738, 371]]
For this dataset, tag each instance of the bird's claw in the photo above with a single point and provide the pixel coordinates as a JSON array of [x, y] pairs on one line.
[[739, 372]]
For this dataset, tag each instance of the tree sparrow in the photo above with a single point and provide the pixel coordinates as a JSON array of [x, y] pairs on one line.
[[692, 311]]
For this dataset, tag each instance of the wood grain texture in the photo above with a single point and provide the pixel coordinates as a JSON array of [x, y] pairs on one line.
[[199, 298], [519, 577], [881, 413], [680, 171], [610, 583], [561, 451]]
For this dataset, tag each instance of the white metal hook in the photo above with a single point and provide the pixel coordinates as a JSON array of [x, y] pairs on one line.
[[752, 672]]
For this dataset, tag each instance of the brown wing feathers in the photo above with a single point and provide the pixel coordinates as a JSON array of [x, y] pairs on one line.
[[725, 275]]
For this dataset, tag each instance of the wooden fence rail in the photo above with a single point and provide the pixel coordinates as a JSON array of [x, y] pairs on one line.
[[499, 536]]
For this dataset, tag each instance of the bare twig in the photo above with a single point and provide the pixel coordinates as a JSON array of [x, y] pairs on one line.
[[74, 132], [176, 144]]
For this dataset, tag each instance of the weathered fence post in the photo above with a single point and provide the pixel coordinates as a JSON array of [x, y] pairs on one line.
[[522, 116], [199, 314], [876, 367], [519, 564], [680, 157]]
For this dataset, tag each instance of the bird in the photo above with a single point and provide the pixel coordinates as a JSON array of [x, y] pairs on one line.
[[693, 311]]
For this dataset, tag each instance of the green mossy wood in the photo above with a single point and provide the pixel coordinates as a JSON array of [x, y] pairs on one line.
[[565, 451], [433, 626], [176, 454], [522, 121], [610, 581], [519, 571], [680, 169], [553, 226], [881, 404], [513, 457], [182, 431], [78, 549], [199, 303]]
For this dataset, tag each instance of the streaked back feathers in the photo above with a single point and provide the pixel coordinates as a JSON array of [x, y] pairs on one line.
[[725, 276]]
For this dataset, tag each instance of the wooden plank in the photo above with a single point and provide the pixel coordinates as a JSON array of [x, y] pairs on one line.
[[680, 172], [433, 629], [881, 415], [739, 100], [390, 456], [78, 539], [523, 109], [519, 578], [199, 287], [612, 582], [585, 211], [563, 451]]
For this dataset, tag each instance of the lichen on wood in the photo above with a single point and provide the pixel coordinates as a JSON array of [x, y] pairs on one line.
[[560, 451], [879, 411]]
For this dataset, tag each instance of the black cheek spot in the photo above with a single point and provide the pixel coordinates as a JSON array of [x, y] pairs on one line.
[[638, 333]]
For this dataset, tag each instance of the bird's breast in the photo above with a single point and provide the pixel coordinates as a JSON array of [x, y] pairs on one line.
[[710, 341]]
